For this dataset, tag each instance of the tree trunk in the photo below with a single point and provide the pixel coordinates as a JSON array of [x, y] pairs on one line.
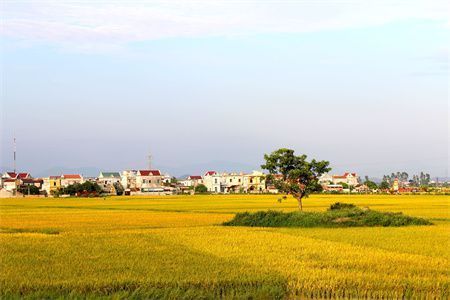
[[300, 203]]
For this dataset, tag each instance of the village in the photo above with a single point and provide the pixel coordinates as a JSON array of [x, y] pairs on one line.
[[154, 182]]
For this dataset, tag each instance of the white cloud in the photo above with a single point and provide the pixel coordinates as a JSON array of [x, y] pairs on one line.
[[102, 25]]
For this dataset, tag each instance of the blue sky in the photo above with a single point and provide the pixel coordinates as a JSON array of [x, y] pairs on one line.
[[363, 85]]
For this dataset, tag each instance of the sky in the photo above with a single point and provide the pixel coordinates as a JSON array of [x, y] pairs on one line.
[[199, 84]]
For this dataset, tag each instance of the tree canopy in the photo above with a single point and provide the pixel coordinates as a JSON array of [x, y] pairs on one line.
[[294, 175]]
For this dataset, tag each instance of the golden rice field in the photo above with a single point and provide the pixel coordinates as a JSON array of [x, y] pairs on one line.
[[173, 247]]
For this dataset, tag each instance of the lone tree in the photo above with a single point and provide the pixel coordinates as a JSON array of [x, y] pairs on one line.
[[294, 175]]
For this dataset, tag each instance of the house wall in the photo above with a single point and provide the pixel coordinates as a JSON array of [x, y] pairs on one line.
[[70, 181], [213, 183], [148, 181]]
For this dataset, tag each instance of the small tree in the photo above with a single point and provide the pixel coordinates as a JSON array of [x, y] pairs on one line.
[[371, 185], [119, 188], [294, 175], [29, 190], [384, 185], [201, 189]]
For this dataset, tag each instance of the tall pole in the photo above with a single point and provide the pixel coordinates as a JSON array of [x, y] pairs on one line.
[[15, 148], [149, 161]]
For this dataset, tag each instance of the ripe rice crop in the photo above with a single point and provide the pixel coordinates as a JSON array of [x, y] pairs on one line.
[[173, 247]]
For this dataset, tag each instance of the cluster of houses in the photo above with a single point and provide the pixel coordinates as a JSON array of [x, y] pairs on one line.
[[342, 183], [136, 182], [142, 182]]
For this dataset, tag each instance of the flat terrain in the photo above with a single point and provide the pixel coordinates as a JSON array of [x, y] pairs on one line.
[[173, 247]]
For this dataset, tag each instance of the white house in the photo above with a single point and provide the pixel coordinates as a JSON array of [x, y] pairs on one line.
[[128, 179], [212, 180], [108, 178], [326, 179], [69, 179], [232, 182], [348, 178], [192, 181], [10, 184], [148, 180], [166, 178]]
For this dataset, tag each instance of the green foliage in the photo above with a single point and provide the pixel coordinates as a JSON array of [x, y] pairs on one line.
[[119, 188], [338, 215], [340, 205], [201, 189], [344, 185], [384, 185], [29, 190], [371, 185], [294, 175], [87, 187]]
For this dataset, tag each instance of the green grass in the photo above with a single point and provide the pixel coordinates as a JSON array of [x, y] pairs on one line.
[[30, 230], [338, 215]]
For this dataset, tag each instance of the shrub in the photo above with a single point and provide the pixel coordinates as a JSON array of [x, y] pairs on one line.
[[339, 205], [201, 189], [338, 215]]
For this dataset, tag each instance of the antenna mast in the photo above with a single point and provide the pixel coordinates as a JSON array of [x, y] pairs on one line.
[[15, 148]]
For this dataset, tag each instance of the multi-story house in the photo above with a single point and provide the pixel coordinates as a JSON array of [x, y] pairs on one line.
[[108, 178], [232, 183], [326, 179], [108, 181], [212, 180], [11, 181], [10, 184], [255, 182], [348, 178], [166, 179], [69, 179], [51, 184], [128, 180], [192, 181], [148, 180]]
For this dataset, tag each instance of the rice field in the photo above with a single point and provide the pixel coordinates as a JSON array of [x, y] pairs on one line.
[[173, 247]]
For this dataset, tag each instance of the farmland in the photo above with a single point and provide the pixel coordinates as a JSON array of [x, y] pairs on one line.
[[174, 247]]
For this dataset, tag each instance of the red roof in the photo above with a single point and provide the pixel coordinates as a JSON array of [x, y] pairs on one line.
[[149, 172], [195, 177], [210, 173], [29, 180], [23, 175], [12, 174], [9, 180], [353, 174], [344, 176], [55, 177], [71, 176]]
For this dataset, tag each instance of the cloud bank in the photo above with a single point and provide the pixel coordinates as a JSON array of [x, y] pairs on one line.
[[108, 25]]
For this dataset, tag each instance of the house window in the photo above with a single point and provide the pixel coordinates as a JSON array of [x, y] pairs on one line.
[[251, 180], [239, 180], [216, 182], [231, 180], [54, 183]]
